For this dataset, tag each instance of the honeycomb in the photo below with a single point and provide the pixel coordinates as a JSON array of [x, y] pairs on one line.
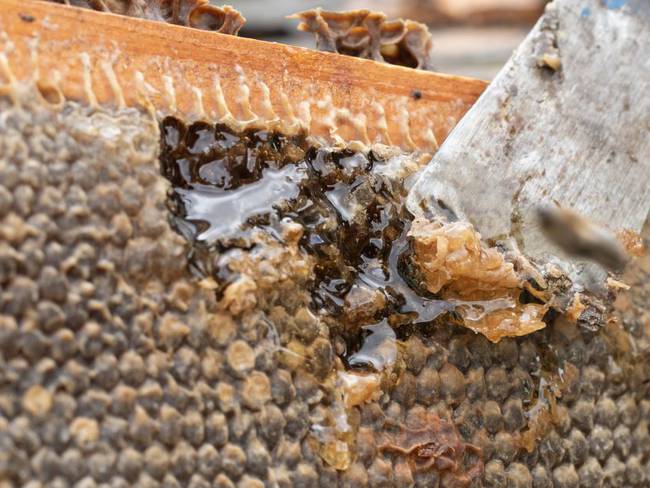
[[292, 347], [366, 34], [199, 14]]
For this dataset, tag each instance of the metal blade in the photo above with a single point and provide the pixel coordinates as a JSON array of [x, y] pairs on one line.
[[565, 123]]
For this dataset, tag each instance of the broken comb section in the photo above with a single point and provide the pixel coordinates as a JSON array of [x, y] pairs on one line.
[[199, 14], [243, 83], [366, 34]]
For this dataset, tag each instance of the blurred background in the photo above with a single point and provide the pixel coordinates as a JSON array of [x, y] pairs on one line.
[[471, 37]]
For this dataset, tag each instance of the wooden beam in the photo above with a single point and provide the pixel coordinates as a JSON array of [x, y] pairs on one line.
[[108, 59]]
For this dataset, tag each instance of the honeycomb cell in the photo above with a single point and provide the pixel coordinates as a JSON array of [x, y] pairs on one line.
[[123, 365]]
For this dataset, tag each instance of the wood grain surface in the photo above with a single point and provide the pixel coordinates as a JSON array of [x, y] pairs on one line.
[[107, 59]]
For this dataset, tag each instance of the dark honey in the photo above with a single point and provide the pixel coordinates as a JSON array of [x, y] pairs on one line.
[[226, 186]]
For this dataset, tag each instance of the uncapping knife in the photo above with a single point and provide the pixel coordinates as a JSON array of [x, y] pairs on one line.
[[565, 126]]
